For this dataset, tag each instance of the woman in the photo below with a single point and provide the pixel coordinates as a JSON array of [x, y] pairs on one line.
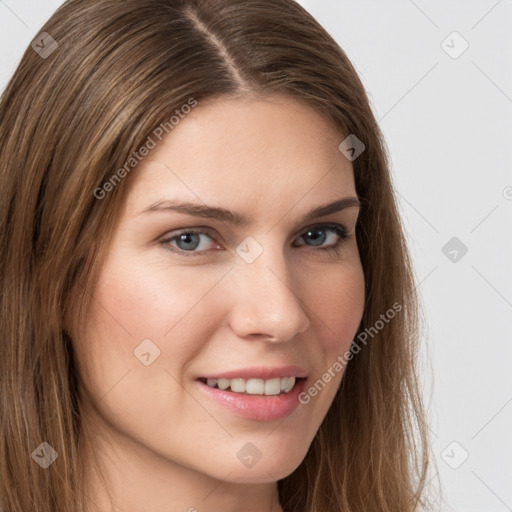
[[207, 299]]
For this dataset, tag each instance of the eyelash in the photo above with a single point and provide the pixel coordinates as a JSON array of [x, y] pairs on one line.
[[331, 249]]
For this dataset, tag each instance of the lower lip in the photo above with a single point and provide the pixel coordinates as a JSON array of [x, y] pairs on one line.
[[257, 407]]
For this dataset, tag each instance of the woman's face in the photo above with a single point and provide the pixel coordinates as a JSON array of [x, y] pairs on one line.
[[275, 296]]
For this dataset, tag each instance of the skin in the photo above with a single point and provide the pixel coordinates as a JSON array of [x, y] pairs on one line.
[[161, 443]]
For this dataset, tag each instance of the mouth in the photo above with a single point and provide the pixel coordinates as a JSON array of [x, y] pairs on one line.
[[255, 398], [262, 387]]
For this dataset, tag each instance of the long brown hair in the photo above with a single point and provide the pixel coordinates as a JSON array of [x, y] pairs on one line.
[[71, 117]]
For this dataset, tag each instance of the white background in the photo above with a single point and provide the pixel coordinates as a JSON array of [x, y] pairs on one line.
[[448, 125]]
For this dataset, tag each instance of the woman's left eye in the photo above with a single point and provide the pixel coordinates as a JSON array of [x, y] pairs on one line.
[[188, 242], [316, 234]]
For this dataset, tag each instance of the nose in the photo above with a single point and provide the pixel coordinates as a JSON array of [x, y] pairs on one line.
[[265, 303]]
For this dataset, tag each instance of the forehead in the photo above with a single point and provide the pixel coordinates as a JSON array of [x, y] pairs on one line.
[[246, 153]]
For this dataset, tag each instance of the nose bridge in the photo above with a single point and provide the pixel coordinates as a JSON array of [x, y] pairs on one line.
[[266, 299]]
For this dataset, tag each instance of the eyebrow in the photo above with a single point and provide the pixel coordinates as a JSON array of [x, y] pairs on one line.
[[222, 214]]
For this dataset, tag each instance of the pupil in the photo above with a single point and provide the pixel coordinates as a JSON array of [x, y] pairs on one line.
[[187, 236], [319, 240]]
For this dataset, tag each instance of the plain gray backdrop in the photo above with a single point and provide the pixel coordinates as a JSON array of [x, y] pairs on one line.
[[438, 74]]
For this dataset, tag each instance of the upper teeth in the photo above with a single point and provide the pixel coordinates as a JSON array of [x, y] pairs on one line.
[[255, 386]]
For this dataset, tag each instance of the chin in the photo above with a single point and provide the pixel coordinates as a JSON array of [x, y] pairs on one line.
[[266, 471], [261, 476]]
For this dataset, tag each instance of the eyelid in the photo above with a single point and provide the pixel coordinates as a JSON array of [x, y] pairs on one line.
[[335, 225]]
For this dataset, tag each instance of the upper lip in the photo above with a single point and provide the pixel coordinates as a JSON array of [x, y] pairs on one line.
[[260, 372]]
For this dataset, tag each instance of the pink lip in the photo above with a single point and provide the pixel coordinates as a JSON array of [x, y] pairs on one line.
[[260, 372], [256, 407]]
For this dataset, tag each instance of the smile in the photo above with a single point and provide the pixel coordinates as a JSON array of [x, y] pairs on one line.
[[256, 399]]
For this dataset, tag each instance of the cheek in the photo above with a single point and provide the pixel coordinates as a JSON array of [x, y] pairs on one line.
[[336, 303], [133, 302], [150, 300]]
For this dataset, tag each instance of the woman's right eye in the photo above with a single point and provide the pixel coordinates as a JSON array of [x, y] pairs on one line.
[[187, 242]]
